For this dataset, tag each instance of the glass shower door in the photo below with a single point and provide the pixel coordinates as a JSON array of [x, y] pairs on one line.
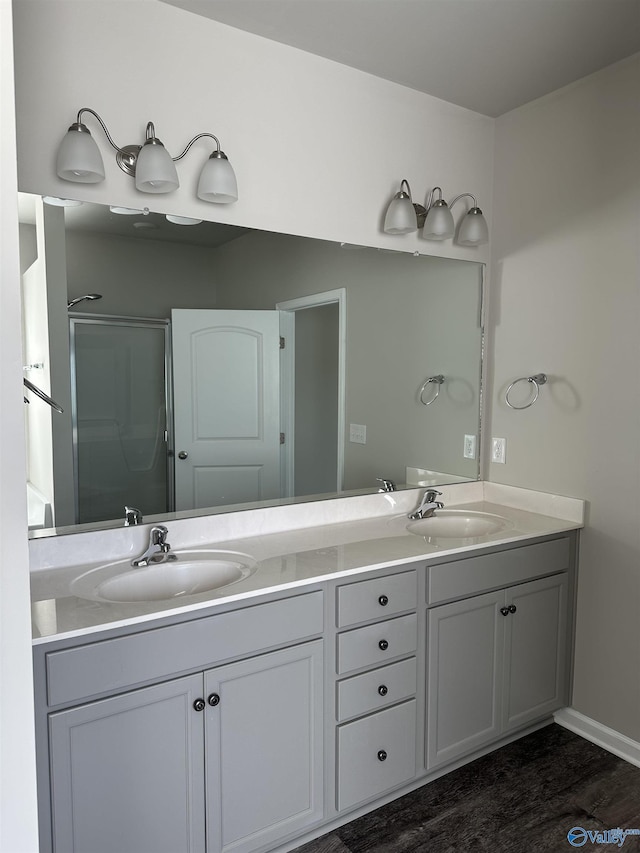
[[119, 385]]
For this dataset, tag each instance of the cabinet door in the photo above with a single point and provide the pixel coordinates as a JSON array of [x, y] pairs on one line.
[[535, 650], [465, 663], [127, 772], [264, 739]]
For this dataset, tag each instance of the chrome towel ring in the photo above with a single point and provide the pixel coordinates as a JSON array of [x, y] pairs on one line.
[[537, 380], [435, 380]]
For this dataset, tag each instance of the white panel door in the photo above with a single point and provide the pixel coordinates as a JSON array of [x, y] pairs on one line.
[[226, 367]]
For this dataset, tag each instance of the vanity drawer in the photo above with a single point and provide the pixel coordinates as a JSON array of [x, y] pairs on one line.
[[110, 665], [376, 754], [472, 575], [377, 643], [373, 690], [378, 598]]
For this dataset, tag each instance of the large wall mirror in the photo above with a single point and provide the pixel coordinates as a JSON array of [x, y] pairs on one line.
[[203, 367]]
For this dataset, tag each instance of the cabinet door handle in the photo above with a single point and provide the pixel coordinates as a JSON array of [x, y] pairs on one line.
[[383, 600], [504, 611], [382, 755], [383, 690], [213, 700], [199, 705], [512, 608], [383, 645]]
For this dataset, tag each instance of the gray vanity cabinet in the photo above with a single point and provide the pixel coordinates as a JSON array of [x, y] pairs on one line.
[[264, 748], [126, 772], [495, 662], [376, 709], [229, 757]]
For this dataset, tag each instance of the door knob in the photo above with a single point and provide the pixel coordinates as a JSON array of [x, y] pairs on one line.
[[183, 454]]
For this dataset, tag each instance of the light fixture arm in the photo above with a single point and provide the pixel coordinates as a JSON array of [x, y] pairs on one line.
[[102, 125], [464, 195], [217, 153], [431, 199]]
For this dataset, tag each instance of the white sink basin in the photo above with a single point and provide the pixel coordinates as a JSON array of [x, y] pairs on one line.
[[458, 524], [194, 572]]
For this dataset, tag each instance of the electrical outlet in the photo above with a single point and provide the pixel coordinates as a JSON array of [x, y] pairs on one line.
[[499, 450], [358, 433], [469, 447]]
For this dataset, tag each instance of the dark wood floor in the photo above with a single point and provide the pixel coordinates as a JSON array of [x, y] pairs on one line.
[[523, 798]]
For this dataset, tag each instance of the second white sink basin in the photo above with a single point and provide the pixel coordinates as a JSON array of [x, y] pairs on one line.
[[192, 573], [458, 524]]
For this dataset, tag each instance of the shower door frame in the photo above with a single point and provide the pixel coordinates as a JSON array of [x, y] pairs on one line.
[[132, 322]]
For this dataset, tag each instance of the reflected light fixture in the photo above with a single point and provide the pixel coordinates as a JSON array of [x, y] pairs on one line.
[[79, 160], [436, 220]]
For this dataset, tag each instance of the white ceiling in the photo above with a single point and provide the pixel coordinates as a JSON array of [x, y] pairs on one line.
[[488, 55]]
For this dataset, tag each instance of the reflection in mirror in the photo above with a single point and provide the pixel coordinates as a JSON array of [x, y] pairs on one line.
[[223, 367]]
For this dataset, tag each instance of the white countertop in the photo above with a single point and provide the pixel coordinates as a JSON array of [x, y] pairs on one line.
[[313, 545]]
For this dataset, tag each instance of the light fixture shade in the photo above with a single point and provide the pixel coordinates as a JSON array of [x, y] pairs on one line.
[[79, 157], [474, 230], [217, 182], [155, 170], [439, 224], [401, 215]]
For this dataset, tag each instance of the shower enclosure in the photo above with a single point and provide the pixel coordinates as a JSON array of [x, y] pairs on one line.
[[121, 403]]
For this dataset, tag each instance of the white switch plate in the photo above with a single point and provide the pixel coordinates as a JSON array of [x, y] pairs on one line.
[[499, 450], [469, 447], [358, 433]]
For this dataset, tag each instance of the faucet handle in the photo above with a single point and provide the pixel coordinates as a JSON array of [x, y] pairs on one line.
[[387, 485], [158, 535], [431, 495]]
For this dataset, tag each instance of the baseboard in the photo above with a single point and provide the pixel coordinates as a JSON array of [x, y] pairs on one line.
[[592, 730]]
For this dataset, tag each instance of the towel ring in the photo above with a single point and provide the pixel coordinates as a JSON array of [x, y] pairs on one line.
[[537, 380], [437, 381]]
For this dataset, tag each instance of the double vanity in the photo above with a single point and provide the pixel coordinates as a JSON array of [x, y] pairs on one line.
[[294, 667]]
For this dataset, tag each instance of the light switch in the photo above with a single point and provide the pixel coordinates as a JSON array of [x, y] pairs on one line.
[[358, 433]]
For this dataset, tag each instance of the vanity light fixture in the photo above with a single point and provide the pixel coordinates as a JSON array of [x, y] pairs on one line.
[[436, 220], [402, 213], [79, 160]]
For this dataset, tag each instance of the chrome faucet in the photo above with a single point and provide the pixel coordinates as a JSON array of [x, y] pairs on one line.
[[428, 505], [386, 485], [159, 550], [132, 516]]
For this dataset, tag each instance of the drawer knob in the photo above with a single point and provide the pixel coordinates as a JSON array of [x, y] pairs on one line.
[[383, 690], [504, 611], [382, 755], [213, 700], [512, 608], [199, 705], [383, 600], [383, 645]]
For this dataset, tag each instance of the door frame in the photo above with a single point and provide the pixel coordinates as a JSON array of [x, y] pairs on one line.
[[288, 310]]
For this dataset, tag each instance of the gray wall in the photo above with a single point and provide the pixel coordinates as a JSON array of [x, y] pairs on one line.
[[138, 278], [407, 318], [566, 301]]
